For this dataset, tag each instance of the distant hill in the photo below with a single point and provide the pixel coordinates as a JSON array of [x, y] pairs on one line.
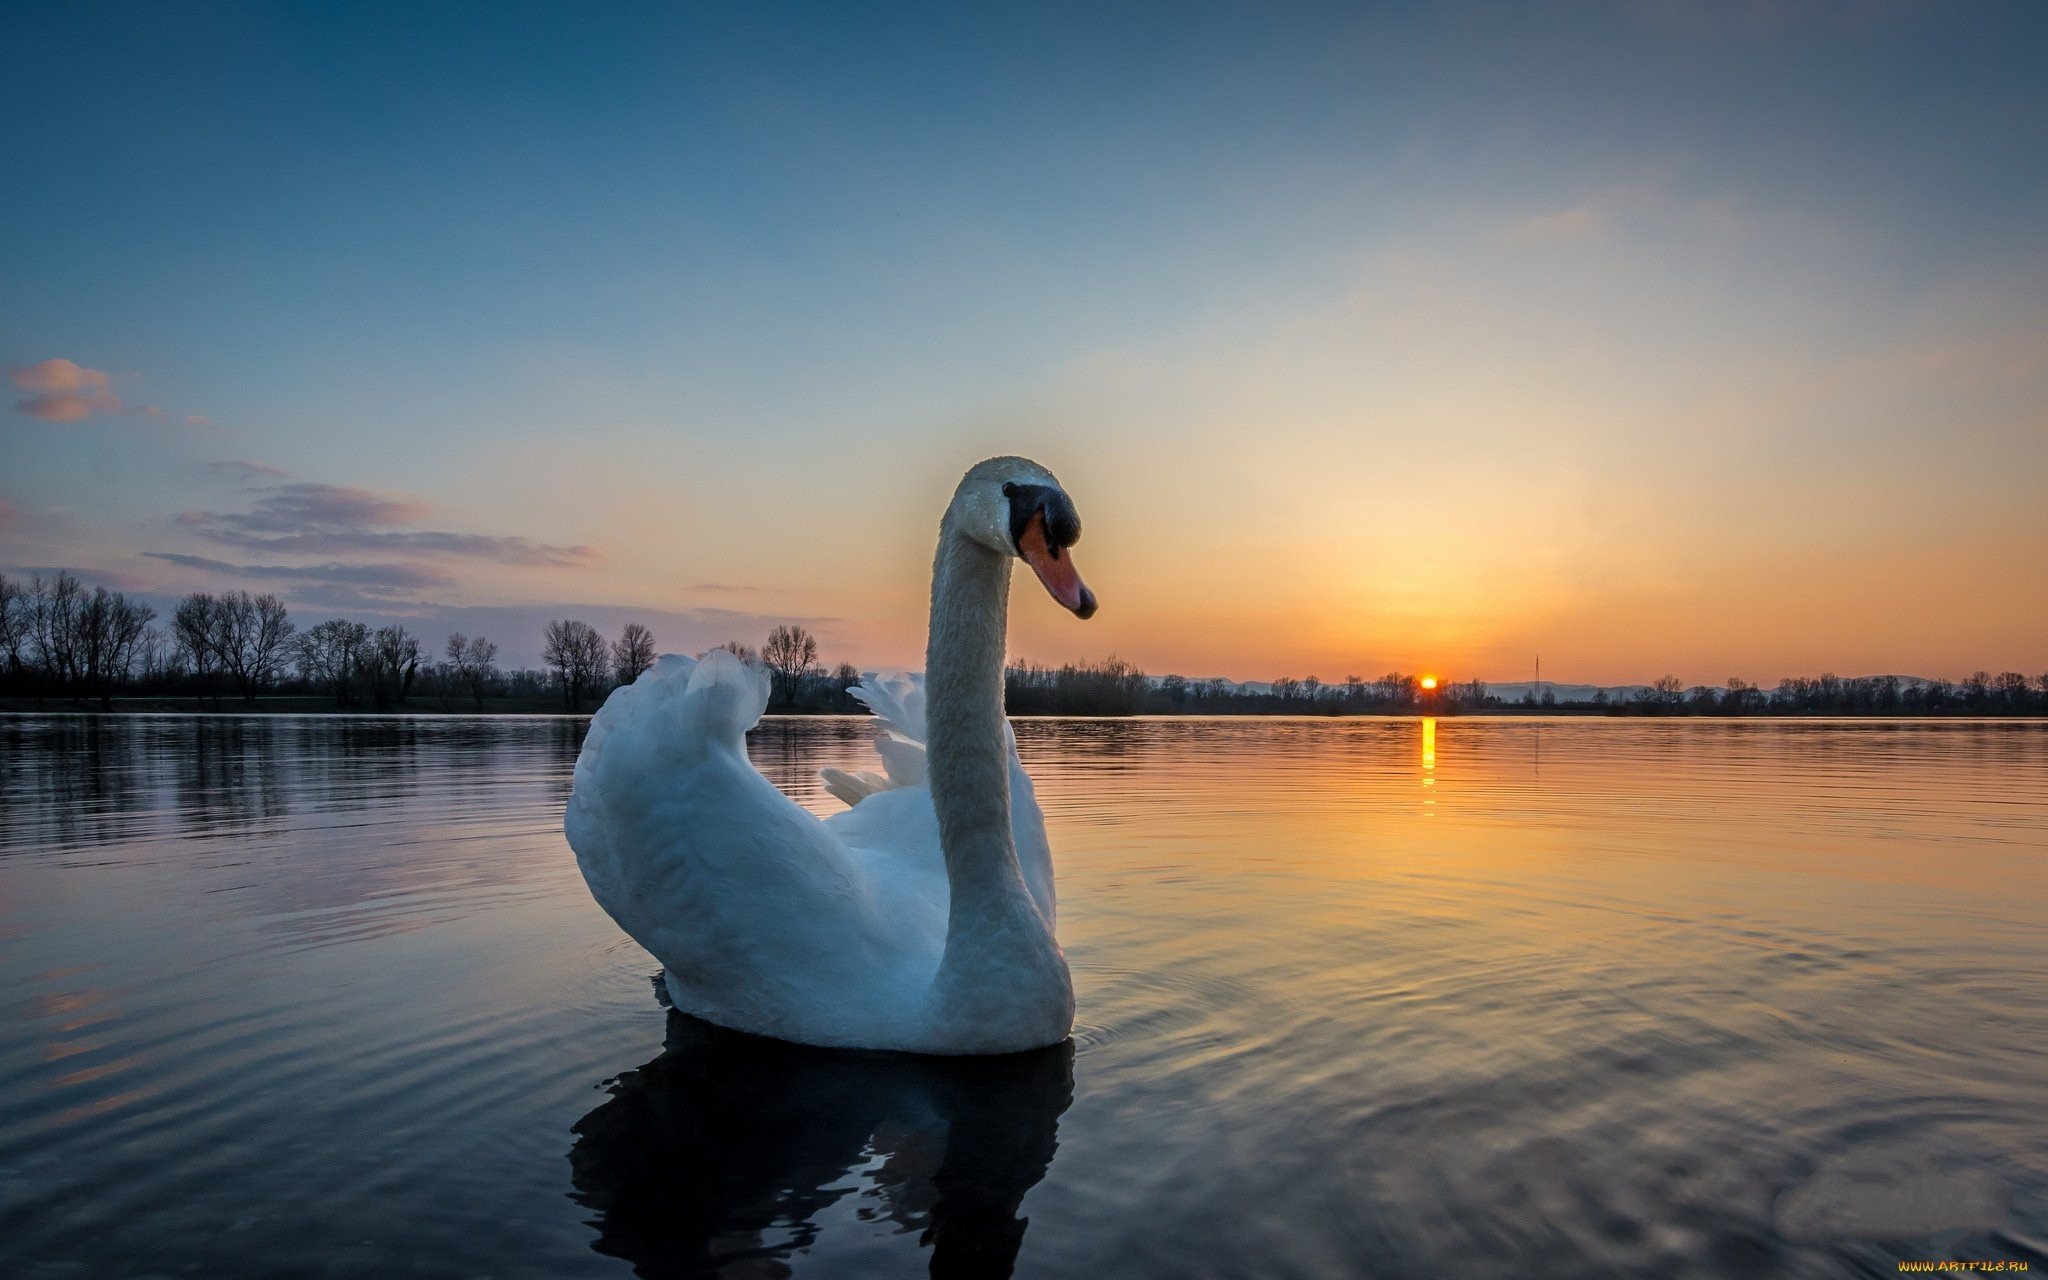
[[1512, 692]]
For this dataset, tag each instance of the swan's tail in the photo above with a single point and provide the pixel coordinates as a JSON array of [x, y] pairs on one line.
[[681, 704], [676, 714], [725, 696]]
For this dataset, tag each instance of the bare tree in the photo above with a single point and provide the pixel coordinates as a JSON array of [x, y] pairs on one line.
[[192, 631], [474, 660], [2011, 687], [633, 653], [156, 661], [394, 662], [108, 627], [744, 653], [579, 657], [479, 667], [252, 638], [53, 625], [333, 655], [791, 654], [14, 628]]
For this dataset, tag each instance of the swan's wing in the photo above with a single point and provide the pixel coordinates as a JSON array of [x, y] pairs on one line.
[[760, 914], [891, 827], [897, 701]]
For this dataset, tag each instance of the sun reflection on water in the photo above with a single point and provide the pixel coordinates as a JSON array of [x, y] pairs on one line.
[[1429, 760]]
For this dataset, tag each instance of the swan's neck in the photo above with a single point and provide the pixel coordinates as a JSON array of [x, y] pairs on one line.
[[967, 757]]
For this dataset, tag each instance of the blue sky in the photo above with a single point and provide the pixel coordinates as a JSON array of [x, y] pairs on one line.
[[1657, 336]]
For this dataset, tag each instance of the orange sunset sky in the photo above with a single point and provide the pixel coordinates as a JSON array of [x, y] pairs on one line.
[[1710, 340]]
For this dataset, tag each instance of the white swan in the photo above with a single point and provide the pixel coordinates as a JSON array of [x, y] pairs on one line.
[[921, 918]]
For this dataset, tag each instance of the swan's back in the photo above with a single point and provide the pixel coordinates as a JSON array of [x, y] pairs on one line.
[[758, 913]]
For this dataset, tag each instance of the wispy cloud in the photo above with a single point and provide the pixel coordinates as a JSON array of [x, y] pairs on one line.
[[1630, 209], [307, 518], [480, 546], [64, 391], [243, 469], [304, 506], [367, 576]]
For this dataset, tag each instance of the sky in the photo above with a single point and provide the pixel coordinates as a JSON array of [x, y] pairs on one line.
[[1660, 337]]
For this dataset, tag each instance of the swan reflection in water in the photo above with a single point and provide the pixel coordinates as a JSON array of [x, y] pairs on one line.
[[726, 1150]]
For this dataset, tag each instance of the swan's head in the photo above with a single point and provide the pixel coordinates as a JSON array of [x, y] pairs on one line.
[[1015, 507]]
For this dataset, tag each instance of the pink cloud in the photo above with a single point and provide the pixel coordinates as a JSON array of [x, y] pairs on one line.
[[64, 391], [59, 375]]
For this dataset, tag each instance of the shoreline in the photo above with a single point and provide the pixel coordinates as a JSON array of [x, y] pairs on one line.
[[528, 711]]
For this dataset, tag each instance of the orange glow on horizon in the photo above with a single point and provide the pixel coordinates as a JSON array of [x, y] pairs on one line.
[[1429, 682]]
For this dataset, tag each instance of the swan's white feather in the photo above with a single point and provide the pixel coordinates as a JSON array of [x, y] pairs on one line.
[[909, 827], [766, 918], [757, 910]]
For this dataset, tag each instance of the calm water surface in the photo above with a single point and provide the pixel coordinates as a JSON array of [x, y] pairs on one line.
[[1365, 997]]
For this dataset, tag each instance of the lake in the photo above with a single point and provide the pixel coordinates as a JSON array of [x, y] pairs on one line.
[[312, 996]]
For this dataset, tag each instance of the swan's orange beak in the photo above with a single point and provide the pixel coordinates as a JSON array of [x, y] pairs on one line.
[[1055, 568]]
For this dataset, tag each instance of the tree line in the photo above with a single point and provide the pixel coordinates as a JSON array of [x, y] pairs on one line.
[[1978, 694], [59, 639], [1115, 687]]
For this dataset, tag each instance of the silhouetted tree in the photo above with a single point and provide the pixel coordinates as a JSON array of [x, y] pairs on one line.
[[192, 631], [790, 654], [251, 640], [1112, 687], [2010, 688], [393, 661], [53, 626], [632, 654], [108, 628], [473, 660], [14, 630], [579, 657], [333, 656]]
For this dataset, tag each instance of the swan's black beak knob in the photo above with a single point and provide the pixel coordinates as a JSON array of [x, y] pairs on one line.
[[1044, 526]]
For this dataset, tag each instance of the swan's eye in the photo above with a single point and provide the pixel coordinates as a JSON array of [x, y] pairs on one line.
[[1062, 522]]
